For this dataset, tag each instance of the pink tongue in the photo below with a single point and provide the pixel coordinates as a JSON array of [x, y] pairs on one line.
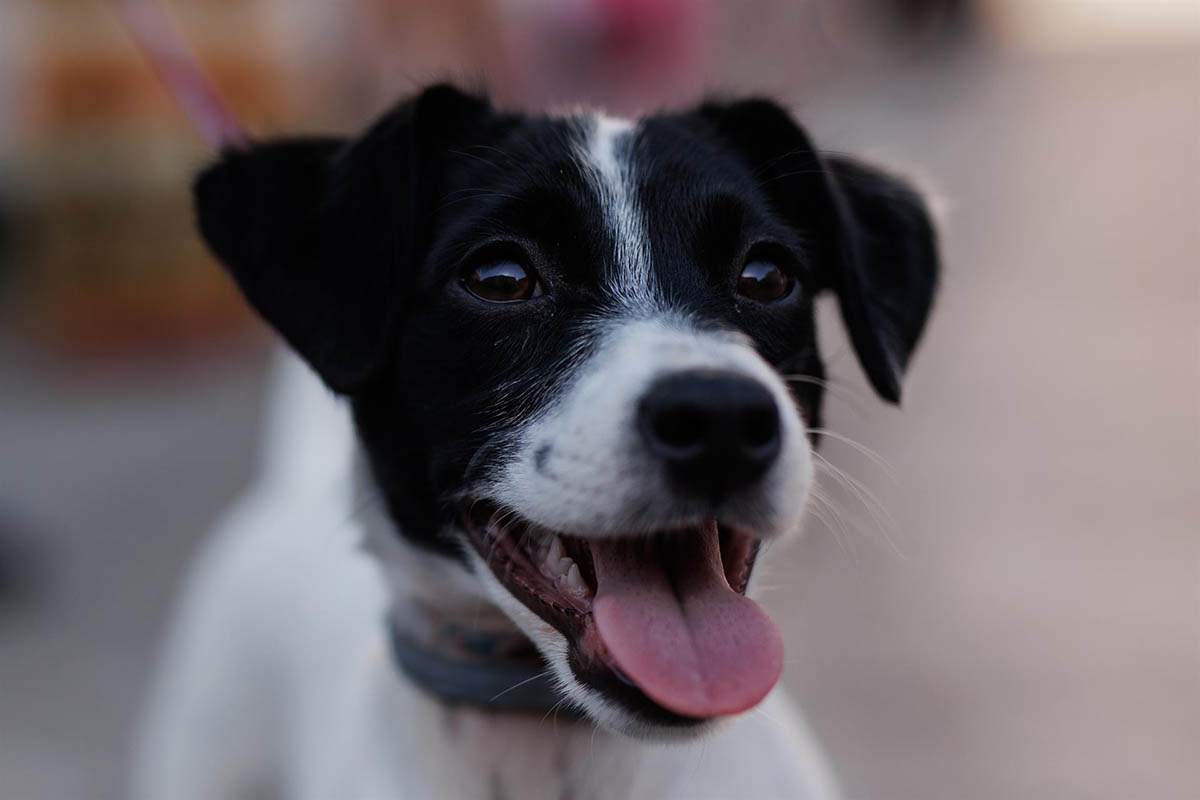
[[677, 630]]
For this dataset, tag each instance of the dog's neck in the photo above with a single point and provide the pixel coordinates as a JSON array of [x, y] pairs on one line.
[[446, 635]]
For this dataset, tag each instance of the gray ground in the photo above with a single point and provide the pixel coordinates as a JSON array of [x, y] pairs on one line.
[[1031, 632]]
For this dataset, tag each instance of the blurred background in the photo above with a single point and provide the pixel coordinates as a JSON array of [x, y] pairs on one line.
[[1009, 603]]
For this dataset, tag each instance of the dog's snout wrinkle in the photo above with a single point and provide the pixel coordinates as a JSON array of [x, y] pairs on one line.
[[714, 431], [541, 456]]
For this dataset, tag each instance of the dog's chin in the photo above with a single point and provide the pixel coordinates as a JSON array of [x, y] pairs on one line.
[[546, 581]]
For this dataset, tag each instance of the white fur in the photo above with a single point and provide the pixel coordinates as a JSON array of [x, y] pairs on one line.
[[277, 678], [604, 156], [597, 479]]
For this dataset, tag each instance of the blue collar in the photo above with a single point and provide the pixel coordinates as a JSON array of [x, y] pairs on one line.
[[481, 670]]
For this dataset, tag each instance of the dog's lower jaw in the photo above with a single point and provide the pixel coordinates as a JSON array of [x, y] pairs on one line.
[[470, 598], [555, 648], [431, 592]]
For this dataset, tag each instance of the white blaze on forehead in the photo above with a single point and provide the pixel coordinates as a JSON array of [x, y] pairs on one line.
[[606, 158]]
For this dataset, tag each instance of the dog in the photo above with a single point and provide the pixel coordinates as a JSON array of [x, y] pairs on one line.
[[569, 390]]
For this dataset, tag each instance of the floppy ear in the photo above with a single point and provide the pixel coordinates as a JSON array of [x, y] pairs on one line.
[[324, 235], [890, 269], [877, 245]]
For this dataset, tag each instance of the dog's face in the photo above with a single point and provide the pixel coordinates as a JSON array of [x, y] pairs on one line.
[[582, 359]]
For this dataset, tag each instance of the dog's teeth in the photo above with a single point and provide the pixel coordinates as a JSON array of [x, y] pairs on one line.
[[555, 563], [554, 554], [562, 569], [574, 582]]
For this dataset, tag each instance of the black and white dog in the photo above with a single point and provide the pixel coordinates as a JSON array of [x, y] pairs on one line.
[[579, 358]]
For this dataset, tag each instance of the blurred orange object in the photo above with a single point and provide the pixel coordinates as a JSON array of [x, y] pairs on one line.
[[110, 263]]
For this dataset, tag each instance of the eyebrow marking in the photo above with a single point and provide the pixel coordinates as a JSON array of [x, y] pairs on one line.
[[606, 158]]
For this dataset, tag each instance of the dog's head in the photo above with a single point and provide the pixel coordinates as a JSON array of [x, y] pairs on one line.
[[582, 359]]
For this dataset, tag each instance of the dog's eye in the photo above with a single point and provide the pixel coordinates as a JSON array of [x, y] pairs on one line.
[[502, 282], [764, 281]]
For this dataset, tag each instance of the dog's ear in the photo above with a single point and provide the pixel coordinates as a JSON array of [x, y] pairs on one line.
[[324, 235], [876, 242]]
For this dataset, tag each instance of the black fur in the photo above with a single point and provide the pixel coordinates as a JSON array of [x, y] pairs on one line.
[[877, 245]]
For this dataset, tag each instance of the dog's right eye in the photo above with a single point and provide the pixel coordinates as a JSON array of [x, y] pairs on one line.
[[503, 282]]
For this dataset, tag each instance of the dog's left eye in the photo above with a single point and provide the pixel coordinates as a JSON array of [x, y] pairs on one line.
[[503, 282], [764, 281]]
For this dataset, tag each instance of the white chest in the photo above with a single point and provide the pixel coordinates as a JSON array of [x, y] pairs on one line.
[[403, 745]]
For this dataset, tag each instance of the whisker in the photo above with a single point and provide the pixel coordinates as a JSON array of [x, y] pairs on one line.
[[480, 159], [858, 487], [777, 723], [874, 520], [478, 194], [833, 523], [508, 157], [879, 460], [797, 151], [494, 540], [519, 684], [476, 457], [793, 174], [554, 710], [877, 511], [854, 399]]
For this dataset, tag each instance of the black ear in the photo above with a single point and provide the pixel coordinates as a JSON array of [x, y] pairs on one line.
[[876, 242], [324, 235], [890, 269]]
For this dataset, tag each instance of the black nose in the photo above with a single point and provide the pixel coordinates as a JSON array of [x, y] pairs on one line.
[[715, 431]]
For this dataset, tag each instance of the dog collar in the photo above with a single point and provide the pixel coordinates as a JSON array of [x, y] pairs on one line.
[[504, 674]]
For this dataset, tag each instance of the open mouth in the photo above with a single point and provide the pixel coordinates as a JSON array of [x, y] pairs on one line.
[[659, 622]]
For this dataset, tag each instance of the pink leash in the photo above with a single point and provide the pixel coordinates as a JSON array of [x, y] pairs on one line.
[[176, 65]]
